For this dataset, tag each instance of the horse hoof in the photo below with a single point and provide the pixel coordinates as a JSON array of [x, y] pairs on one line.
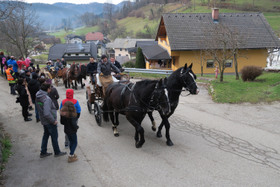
[[116, 134], [159, 135], [139, 144], [169, 143], [154, 128]]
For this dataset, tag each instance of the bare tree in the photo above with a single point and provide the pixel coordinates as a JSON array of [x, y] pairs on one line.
[[108, 10], [19, 28], [221, 44], [6, 8], [89, 19]]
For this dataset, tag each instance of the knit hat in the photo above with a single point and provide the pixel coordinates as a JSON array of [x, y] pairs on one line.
[[103, 56]]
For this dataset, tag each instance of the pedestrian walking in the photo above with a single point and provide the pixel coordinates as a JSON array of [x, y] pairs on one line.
[[70, 97], [68, 118], [48, 117]]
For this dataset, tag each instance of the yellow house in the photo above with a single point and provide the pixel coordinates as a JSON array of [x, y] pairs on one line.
[[183, 36]]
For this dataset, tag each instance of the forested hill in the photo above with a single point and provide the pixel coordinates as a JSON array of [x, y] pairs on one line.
[[53, 15]]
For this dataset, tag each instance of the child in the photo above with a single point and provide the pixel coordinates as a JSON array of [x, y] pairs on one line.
[[68, 118]]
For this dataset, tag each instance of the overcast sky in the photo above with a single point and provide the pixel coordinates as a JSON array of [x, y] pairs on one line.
[[74, 1]]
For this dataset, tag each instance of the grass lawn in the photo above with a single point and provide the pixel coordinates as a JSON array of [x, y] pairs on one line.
[[266, 88]]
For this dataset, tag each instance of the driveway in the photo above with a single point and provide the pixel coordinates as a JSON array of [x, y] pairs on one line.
[[214, 145]]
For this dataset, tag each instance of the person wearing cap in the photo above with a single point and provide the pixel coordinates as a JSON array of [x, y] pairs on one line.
[[11, 77], [58, 65], [104, 69], [13, 62]]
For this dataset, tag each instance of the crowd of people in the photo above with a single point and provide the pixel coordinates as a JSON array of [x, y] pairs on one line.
[[34, 88], [35, 91]]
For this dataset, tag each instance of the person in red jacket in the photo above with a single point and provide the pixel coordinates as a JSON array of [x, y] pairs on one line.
[[70, 97], [20, 63]]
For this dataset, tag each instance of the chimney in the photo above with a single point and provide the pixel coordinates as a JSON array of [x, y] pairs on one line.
[[215, 14]]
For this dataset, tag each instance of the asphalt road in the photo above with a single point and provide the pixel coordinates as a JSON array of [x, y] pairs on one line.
[[214, 145]]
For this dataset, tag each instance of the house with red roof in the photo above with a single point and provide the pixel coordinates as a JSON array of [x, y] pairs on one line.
[[94, 36], [98, 39]]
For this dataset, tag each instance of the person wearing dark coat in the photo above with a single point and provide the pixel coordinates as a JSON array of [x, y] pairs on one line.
[[23, 99], [34, 87], [92, 69], [54, 97], [68, 118], [116, 63]]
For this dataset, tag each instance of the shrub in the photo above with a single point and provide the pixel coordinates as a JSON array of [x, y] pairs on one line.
[[250, 73], [129, 64], [140, 60]]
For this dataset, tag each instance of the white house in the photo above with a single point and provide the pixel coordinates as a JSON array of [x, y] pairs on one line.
[[122, 46]]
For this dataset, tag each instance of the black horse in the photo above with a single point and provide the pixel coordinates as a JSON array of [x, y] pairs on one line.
[[82, 74], [182, 77], [134, 101]]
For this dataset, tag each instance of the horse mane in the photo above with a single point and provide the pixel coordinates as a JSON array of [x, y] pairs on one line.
[[145, 82]]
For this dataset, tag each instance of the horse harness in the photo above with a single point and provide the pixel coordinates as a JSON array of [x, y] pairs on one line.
[[149, 106]]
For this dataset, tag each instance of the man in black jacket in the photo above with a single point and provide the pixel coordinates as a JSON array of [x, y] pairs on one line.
[[116, 63], [92, 69], [34, 87]]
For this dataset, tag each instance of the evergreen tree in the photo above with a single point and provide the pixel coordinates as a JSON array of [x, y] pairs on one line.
[[140, 60]]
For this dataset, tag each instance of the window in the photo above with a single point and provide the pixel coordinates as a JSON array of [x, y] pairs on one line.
[[86, 54], [125, 49], [210, 64], [120, 49], [69, 54], [228, 63], [77, 54], [119, 54]]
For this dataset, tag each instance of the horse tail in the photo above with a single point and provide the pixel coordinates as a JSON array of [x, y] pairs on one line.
[[105, 111]]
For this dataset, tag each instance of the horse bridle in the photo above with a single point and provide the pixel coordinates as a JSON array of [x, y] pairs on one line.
[[155, 100], [187, 87]]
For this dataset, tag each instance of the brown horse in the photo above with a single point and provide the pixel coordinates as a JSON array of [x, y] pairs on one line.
[[64, 75], [73, 75], [56, 75]]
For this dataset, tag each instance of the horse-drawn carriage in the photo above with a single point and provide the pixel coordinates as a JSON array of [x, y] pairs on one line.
[[95, 95], [141, 98]]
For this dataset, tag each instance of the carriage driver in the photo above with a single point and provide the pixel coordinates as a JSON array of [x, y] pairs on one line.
[[92, 69], [104, 69]]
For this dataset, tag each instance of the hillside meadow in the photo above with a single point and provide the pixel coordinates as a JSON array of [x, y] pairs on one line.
[[134, 24]]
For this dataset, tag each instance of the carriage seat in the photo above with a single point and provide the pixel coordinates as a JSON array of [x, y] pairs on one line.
[[98, 80]]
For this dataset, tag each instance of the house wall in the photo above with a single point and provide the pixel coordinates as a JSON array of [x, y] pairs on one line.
[[124, 52], [255, 57], [164, 42], [75, 40], [77, 61]]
